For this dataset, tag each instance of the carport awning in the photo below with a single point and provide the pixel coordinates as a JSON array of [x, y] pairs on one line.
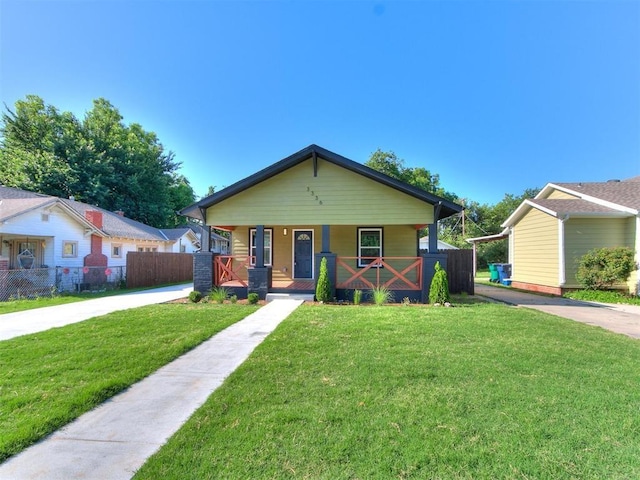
[[490, 238]]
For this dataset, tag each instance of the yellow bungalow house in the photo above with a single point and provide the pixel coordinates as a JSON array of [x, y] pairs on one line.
[[315, 204], [549, 233]]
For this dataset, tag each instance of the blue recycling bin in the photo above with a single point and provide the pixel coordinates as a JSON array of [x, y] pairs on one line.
[[504, 273]]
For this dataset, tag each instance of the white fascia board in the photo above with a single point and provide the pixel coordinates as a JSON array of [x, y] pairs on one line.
[[520, 211]]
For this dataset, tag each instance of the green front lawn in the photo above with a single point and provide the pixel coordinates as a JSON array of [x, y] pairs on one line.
[[477, 391], [47, 379]]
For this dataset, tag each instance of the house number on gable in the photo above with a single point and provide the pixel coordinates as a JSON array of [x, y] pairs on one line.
[[314, 195]]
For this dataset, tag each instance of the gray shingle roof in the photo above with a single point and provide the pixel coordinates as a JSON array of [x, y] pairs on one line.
[[625, 193], [115, 225], [572, 207], [14, 202]]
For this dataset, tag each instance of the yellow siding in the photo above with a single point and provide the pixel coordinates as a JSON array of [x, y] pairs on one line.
[[557, 194], [584, 234], [335, 197], [535, 249]]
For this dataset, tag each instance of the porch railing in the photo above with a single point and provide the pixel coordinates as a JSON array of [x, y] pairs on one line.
[[394, 273], [231, 269]]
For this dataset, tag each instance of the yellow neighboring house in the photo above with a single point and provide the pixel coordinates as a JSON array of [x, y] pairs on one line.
[[549, 233]]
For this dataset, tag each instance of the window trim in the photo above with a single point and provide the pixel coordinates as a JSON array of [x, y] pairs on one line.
[[380, 230], [145, 249], [119, 247], [268, 262], [74, 248]]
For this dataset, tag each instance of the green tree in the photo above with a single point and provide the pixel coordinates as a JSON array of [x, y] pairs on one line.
[[99, 160], [439, 288], [389, 164], [323, 288]]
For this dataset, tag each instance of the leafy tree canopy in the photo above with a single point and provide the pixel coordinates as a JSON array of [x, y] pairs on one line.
[[99, 160], [476, 221]]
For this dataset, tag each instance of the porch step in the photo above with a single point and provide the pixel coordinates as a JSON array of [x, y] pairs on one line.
[[292, 296]]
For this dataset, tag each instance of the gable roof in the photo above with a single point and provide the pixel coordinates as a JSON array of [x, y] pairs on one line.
[[624, 193], [447, 208], [15, 202], [591, 199]]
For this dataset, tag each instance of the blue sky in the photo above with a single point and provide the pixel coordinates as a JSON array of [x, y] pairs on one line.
[[494, 96]]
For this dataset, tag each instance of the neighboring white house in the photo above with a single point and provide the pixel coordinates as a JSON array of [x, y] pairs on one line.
[[217, 243], [58, 232], [424, 244], [42, 232]]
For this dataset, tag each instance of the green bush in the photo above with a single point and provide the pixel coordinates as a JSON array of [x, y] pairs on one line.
[[253, 298], [233, 298], [601, 268], [439, 289], [218, 294], [195, 296], [357, 296], [323, 288], [381, 295]]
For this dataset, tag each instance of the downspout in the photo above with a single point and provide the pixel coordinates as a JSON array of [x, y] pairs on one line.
[[562, 274], [637, 258]]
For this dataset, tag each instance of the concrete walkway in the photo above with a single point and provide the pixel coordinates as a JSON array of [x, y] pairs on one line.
[[37, 320], [624, 319], [114, 440]]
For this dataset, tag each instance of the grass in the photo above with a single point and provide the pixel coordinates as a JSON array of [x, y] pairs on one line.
[[478, 391], [19, 305], [48, 379], [607, 296]]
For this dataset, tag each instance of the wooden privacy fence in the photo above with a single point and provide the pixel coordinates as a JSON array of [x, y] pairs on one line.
[[146, 269], [460, 270]]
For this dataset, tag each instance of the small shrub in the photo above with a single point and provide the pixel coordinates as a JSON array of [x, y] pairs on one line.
[[601, 268], [323, 288], [233, 299], [381, 295], [406, 301], [218, 294], [253, 298], [439, 289], [195, 296], [357, 296]]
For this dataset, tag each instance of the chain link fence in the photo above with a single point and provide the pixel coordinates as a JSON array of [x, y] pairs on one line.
[[45, 282]]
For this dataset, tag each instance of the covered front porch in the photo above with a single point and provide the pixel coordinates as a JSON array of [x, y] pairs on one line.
[[290, 258]]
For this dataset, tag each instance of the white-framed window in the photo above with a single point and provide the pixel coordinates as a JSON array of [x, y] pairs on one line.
[[268, 248], [147, 249], [183, 249], [369, 245], [69, 249], [44, 217], [116, 251]]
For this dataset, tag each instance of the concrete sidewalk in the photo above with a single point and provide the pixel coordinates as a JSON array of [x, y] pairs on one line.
[[624, 319], [39, 319], [114, 440]]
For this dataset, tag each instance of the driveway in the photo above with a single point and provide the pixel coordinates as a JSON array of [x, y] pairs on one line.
[[624, 319], [39, 319]]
